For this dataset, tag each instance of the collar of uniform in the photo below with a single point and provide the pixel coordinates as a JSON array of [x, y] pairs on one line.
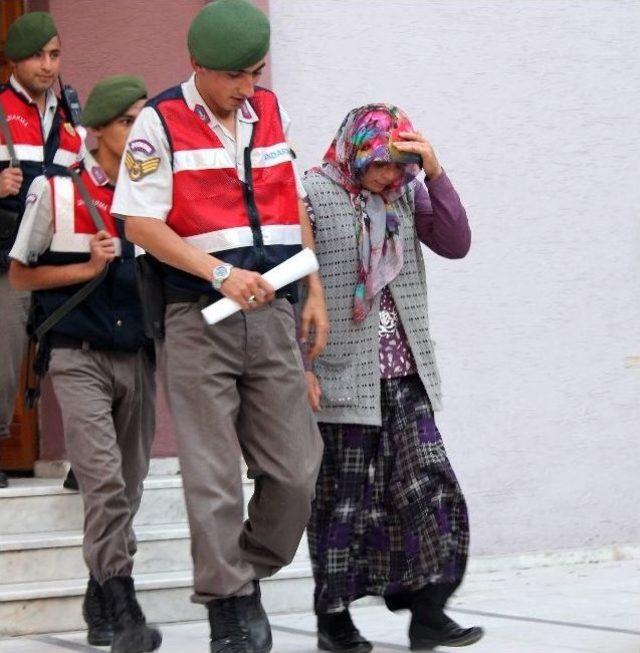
[[94, 170], [51, 100], [247, 113], [194, 101]]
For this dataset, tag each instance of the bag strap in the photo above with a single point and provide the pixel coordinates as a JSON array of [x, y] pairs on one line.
[[98, 223], [70, 304], [14, 162], [78, 297]]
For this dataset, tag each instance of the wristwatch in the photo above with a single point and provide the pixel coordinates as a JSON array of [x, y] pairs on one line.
[[220, 273]]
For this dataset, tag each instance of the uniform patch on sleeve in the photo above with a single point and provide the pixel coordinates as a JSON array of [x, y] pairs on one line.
[[139, 168], [30, 199]]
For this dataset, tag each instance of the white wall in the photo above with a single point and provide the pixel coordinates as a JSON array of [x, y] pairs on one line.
[[532, 106]]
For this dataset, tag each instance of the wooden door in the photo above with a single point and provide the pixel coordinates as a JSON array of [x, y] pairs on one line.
[[9, 11], [20, 450]]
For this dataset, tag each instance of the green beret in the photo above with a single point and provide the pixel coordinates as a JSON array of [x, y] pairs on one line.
[[110, 98], [229, 35], [29, 34]]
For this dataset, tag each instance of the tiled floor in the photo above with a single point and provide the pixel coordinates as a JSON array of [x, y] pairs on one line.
[[579, 608]]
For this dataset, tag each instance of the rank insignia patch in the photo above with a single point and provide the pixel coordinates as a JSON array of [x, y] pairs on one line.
[[99, 175], [138, 169], [201, 112]]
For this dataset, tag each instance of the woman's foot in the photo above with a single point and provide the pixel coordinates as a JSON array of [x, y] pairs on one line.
[[336, 632], [431, 627], [425, 635]]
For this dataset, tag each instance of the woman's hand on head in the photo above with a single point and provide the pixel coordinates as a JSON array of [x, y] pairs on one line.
[[416, 143]]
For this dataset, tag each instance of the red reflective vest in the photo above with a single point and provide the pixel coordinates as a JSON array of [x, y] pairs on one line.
[[61, 147], [212, 208], [72, 222]]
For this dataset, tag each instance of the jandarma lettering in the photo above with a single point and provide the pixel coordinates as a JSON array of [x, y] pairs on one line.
[[99, 203], [14, 117], [273, 155]]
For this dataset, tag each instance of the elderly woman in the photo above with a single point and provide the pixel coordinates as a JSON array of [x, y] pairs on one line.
[[389, 517]]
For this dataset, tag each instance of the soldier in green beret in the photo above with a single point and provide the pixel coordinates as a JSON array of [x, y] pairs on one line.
[[209, 187], [101, 363], [40, 134]]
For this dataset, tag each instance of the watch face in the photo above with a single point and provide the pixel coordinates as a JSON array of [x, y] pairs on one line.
[[221, 271]]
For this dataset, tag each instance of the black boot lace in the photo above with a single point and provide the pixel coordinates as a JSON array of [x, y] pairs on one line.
[[226, 629], [126, 609], [95, 609]]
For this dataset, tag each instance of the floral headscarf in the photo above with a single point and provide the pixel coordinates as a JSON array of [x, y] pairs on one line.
[[364, 137]]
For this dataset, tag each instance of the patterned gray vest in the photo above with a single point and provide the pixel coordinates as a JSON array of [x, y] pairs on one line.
[[349, 370]]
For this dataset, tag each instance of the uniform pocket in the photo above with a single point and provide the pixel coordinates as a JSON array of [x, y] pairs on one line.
[[285, 308]]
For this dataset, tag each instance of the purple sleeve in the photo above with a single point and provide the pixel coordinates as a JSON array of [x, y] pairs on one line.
[[441, 221]]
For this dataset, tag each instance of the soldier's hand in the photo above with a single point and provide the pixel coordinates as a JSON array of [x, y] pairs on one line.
[[10, 181], [249, 289], [103, 251]]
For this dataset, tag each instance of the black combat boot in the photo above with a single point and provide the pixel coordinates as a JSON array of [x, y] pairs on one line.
[[229, 631], [4, 479], [96, 615], [254, 618], [337, 632], [431, 627], [70, 482], [130, 631]]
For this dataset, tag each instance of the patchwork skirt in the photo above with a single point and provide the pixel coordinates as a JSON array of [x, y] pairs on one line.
[[389, 515]]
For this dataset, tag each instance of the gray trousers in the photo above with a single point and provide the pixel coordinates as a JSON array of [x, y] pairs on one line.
[[239, 387], [107, 400], [14, 308]]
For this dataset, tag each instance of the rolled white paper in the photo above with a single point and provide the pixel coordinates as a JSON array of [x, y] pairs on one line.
[[293, 269]]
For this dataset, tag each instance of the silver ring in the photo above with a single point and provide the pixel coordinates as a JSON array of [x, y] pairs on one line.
[[252, 299]]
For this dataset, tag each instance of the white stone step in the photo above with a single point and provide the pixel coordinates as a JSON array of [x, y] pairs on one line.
[[43, 575], [55, 606], [39, 505], [58, 555], [59, 468], [43, 506]]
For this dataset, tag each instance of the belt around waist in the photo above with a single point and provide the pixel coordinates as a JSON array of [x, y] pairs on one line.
[[60, 341], [179, 296]]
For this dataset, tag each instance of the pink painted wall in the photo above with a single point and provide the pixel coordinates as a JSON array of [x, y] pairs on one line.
[[143, 37]]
